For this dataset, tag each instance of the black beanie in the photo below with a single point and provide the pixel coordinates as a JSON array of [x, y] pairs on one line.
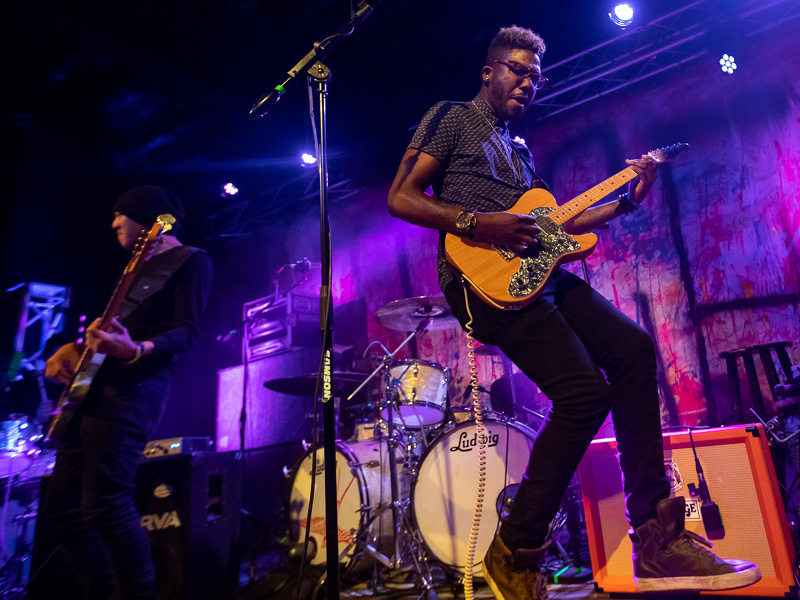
[[145, 203]]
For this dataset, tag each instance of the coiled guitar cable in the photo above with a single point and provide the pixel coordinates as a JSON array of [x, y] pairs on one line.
[[482, 441]]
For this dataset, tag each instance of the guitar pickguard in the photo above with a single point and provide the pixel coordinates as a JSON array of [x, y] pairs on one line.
[[553, 243]]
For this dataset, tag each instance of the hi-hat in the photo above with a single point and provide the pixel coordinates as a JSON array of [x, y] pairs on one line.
[[344, 384], [432, 313]]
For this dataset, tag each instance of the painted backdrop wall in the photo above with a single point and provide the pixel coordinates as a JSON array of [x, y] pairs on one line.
[[709, 264]]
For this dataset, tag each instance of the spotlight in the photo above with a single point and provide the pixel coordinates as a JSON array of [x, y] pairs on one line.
[[728, 63], [228, 190], [621, 15], [308, 159], [727, 40]]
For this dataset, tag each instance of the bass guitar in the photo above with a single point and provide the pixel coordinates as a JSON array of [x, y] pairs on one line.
[[507, 280], [90, 362]]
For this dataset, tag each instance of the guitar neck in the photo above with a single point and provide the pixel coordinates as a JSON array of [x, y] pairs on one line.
[[576, 206]]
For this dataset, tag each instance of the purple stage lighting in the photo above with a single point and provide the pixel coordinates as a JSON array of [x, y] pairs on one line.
[[621, 15], [308, 159]]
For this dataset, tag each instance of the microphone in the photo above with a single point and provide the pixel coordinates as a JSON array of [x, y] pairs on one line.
[[709, 510], [468, 390], [319, 51], [268, 100]]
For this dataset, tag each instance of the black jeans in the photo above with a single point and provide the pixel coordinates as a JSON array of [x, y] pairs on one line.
[[89, 505], [562, 341]]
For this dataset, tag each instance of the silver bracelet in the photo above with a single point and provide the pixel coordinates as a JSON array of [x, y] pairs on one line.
[[139, 353]]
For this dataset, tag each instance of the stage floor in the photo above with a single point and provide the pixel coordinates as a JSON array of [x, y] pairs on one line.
[[578, 591]]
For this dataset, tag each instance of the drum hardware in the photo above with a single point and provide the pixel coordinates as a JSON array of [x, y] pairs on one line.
[[533, 412], [505, 500], [418, 392], [406, 542], [414, 315], [17, 444], [343, 382], [508, 370], [13, 579]]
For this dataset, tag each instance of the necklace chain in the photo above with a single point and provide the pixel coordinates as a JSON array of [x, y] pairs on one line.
[[506, 151]]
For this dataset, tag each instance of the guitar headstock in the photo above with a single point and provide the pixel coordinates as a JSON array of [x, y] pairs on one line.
[[166, 221], [146, 245], [668, 153]]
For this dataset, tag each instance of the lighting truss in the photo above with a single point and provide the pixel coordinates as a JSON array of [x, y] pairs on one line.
[[656, 47], [270, 207], [46, 306]]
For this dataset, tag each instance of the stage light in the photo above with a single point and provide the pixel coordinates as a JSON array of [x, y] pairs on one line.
[[308, 159], [727, 40], [728, 63], [621, 15], [228, 190], [519, 140]]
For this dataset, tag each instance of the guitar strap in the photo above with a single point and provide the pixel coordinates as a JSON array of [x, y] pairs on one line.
[[536, 181], [155, 279]]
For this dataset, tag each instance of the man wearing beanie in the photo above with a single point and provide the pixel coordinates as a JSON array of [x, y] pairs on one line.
[[89, 506]]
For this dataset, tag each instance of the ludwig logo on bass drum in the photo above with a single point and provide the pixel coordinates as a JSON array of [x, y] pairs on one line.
[[467, 443]]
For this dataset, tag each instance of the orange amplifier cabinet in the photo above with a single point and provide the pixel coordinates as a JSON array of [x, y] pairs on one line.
[[741, 479]]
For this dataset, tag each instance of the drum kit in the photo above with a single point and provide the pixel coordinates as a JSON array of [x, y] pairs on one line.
[[22, 464], [407, 476]]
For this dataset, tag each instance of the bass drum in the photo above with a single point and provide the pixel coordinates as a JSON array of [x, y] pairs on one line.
[[444, 492], [363, 491]]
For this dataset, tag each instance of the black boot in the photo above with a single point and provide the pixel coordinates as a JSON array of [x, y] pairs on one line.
[[515, 575], [666, 556]]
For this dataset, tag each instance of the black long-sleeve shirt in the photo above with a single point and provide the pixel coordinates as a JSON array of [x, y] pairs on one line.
[[169, 318]]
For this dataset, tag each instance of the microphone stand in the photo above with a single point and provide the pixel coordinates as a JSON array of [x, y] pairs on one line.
[[319, 76]]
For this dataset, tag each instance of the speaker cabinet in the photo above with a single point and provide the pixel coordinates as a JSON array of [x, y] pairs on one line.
[[272, 417], [741, 479], [190, 505]]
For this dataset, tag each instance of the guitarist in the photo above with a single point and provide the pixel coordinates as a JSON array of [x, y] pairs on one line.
[[89, 505], [562, 340]]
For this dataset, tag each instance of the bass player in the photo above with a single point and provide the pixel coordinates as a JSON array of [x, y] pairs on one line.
[[89, 504]]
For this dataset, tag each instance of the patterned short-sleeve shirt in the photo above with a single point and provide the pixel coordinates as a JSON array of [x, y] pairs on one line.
[[484, 169]]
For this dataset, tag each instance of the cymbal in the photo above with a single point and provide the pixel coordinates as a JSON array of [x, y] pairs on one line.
[[488, 350], [344, 384], [410, 313]]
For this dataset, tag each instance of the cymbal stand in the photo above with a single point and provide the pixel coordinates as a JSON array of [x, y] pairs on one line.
[[403, 531], [388, 356], [12, 574]]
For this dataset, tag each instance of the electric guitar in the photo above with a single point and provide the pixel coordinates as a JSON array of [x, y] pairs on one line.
[[508, 280], [90, 362]]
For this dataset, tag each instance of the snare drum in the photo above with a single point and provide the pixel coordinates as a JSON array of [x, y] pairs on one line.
[[363, 490], [420, 388], [444, 490]]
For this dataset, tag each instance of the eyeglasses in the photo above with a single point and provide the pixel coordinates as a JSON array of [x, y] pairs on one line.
[[522, 73]]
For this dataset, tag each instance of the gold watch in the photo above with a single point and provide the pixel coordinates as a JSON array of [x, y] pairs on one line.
[[466, 222]]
